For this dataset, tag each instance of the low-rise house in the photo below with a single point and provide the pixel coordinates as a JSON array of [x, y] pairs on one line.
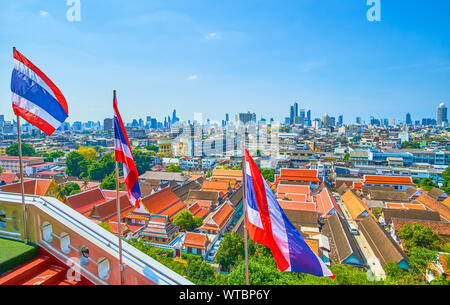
[[196, 243], [164, 203], [343, 247], [9, 178], [159, 229], [399, 183], [437, 194], [182, 191], [218, 186], [38, 187], [306, 222], [218, 221], [439, 227], [357, 208], [305, 176], [382, 244], [227, 175], [412, 214], [434, 205]]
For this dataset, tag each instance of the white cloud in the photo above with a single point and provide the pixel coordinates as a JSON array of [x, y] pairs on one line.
[[43, 13], [192, 77], [212, 36]]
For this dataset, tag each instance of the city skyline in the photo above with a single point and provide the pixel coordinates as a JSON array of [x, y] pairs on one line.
[[321, 55]]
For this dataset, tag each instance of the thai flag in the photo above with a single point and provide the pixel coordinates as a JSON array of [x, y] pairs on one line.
[[123, 154], [268, 225], [35, 97]]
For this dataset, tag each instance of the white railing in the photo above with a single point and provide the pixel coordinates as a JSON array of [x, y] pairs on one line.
[[66, 235]]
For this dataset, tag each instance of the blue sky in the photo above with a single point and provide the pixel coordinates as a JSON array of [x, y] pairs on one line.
[[233, 56]]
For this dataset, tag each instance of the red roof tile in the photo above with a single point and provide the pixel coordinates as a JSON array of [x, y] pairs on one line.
[[394, 180]]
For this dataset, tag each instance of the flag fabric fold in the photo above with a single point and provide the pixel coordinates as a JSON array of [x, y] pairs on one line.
[[267, 224], [124, 154], [35, 97]]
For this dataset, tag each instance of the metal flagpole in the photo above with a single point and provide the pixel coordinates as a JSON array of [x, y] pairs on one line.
[[245, 217], [24, 207], [122, 278]]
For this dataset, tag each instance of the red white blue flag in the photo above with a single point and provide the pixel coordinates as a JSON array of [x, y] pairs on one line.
[[35, 97], [124, 154], [268, 225]]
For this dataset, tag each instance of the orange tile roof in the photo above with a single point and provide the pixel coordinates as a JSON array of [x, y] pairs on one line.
[[435, 205], [394, 180], [164, 202], [220, 218], [357, 185], [84, 202], [298, 175], [227, 174], [9, 178], [313, 244], [196, 176], [292, 189], [42, 187], [295, 197], [196, 240], [297, 206], [447, 201], [355, 205], [325, 202], [220, 186], [31, 187]]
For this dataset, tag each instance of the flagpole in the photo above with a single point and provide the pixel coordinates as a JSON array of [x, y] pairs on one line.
[[245, 218], [122, 277], [24, 207]]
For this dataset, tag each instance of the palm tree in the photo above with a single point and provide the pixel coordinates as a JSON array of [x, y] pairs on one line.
[[85, 184], [60, 192]]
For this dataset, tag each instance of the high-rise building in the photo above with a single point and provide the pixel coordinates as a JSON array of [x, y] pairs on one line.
[[174, 117], [341, 120], [358, 120], [292, 115], [107, 124], [244, 118], [302, 114], [408, 119], [295, 110], [442, 115]]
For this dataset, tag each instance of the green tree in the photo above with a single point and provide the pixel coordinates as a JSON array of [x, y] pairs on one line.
[[420, 258], [420, 236], [143, 161], [186, 221], [76, 165], [98, 170], [172, 168], [27, 150], [268, 174], [109, 182], [71, 189], [346, 157], [89, 153], [199, 271], [53, 155], [427, 184], [230, 252], [152, 148]]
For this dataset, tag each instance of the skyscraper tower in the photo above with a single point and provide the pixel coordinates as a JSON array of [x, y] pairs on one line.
[[292, 115], [408, 119], [295, 110], [442, 114]]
